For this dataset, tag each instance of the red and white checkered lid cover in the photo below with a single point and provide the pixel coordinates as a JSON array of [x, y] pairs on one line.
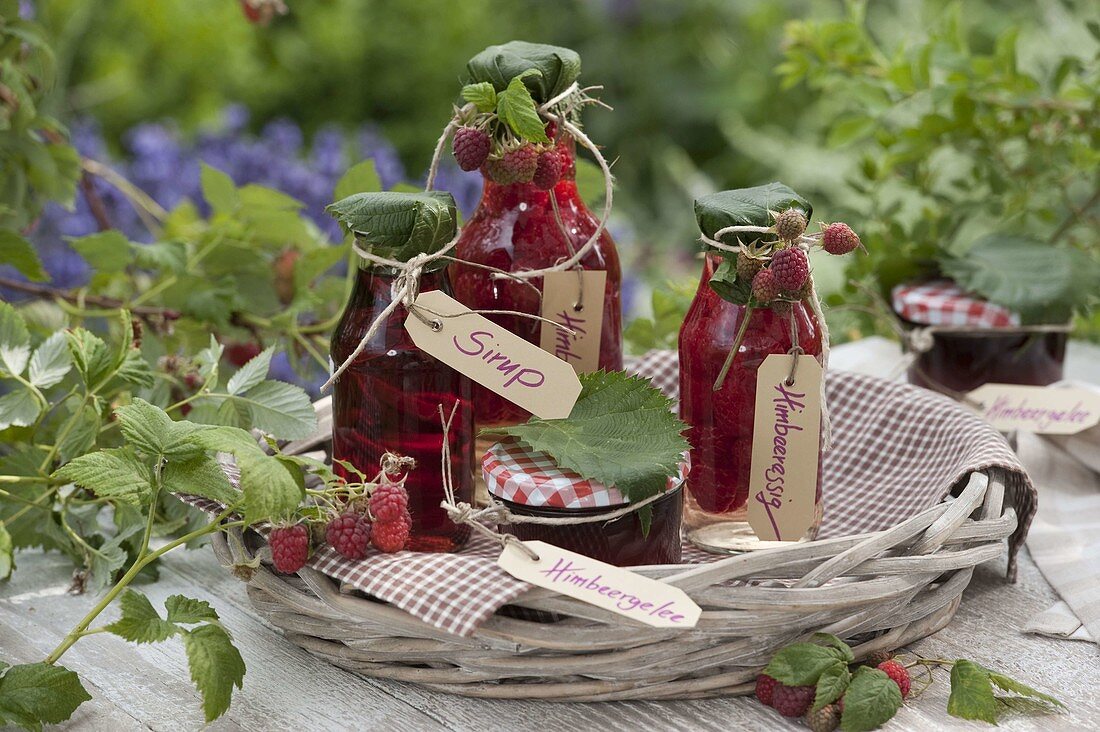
[[515, 472], [942, 302]]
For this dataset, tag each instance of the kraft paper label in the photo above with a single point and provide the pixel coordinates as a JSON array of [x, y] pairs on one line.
[[786, 447], [561, 293], [1039, 409], [494, 357], [604, 585]]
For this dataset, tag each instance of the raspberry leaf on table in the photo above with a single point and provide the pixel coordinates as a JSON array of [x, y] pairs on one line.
[[34, 694], [871, 700], [831, 685], [802, 664], [973, 695], [621, 433]]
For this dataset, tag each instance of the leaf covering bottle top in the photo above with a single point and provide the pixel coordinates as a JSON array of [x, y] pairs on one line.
[[546, 70], [399, 226], [746, 207]]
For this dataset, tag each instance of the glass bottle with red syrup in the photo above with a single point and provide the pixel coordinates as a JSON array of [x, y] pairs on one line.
[[388, 401], [721, 421], [514, 229]]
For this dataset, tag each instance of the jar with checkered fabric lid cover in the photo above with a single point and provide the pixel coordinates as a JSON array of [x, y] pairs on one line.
[[960, 341], [530, 484], [387, 401], [727, 333]]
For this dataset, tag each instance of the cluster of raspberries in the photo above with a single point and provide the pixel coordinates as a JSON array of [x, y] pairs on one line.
[[385, 525], [527, 163], [797, 701]]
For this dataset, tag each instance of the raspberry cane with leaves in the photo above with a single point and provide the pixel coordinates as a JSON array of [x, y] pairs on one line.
[[471, 147], [289, 547]]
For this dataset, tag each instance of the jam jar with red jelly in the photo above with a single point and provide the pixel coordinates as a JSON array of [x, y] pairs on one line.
[[388, 398], [721, 420], [528, 483], [514, 227]]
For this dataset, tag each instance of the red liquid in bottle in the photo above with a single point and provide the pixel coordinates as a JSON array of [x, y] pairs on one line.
[[388, 401], [514, 229], [722, 421]]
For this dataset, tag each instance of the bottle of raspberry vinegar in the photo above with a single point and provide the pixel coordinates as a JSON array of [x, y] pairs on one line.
[[751, 303], [388, 399], [527, 171]]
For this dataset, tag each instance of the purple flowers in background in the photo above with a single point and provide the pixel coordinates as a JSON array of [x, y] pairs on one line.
[[160, 162]]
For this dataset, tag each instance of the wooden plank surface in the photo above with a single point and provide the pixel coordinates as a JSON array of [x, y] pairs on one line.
[[147, 687]]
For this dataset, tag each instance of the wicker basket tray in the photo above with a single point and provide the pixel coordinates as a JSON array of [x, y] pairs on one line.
[[877, 591]]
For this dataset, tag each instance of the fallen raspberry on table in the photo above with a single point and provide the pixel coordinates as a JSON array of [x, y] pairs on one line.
[[547, 170], [877, 657], [791, 268], [391, 536], [471, 147], [747, 266], [349, 534], [289, 547], [839, 238], [898, 674], [792, 701], [790, 224], [765, 689], [514, 166], [764, 287], [388, 502], [825, 719]]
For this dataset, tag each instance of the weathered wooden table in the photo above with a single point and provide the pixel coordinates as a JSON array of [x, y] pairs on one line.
[[147, 687]]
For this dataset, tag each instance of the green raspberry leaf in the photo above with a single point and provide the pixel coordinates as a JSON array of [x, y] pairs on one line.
[[837, 643], [15, 340], [199, 476], [1009, 684], [51, 361], [20, 253], [90, 355], [82, 437], [111, 473], [971, 693], [272, 488], [19, 408], [107, 251], [280, 409], [482, 95], [621, 433], [150, 430], [746, 207], [218, 190], [399, 225], [140, 622], [187, 610], [360, 178], [802, 664], [872, 699], [216, 667], [252, 373], [725, 283], [34, 694], [516, 107], [7, 554], [831, 685]]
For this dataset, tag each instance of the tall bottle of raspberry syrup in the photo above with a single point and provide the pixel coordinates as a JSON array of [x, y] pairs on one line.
[[514, 227], [388, 399], [731, 290]]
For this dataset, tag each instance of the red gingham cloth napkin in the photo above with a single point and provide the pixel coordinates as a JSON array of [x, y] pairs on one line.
[[897, 449], [944, 303]]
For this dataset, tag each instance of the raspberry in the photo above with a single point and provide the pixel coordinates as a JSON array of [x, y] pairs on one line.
[[790, 225], [289, 547], [349, 535], [388, 502], [765, 689], [876, 658], [792, 701], [839, 238], [547, 170], [764, 287], [390, 536], [825, 719], [514, 166], [470, 146], [747, 267], [791, 268], [898, 674]]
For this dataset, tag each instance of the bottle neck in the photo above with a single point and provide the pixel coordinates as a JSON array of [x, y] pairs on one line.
[[374, 286]]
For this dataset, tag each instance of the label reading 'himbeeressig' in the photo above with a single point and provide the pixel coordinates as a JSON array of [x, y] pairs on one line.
[[604, 585], [493, 356]]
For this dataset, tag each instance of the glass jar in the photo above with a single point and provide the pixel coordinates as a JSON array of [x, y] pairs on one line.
[[514, 229], [529, 484], [721, 422], [963, 361], [388, 401]]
